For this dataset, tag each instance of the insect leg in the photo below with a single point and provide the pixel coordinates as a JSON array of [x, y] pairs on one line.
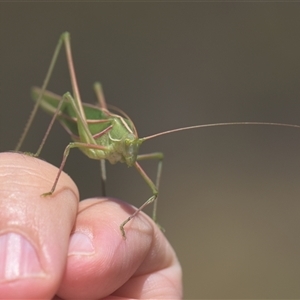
[[103, 177], [49, 127], [159, 156], [154, 187], [65, 156], [100, 96], [44, 86]]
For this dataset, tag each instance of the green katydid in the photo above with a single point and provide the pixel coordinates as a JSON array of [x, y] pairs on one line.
[[99, 132]]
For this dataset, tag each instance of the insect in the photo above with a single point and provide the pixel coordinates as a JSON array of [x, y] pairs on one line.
[[101, 132]]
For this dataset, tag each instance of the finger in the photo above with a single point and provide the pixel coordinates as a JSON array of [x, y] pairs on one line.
[[101, 262], [34, 230]]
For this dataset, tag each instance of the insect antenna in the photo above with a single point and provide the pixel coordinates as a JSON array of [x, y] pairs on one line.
[[218, 124]]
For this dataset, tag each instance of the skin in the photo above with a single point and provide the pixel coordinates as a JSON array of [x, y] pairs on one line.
[[143, 266]]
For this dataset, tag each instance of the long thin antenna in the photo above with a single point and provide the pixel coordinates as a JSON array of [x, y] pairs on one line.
[[218, 124]]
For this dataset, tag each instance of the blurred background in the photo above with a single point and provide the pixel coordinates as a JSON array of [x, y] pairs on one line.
[[229, 196]]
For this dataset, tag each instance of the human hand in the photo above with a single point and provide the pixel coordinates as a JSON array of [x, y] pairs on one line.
[[38, 259]]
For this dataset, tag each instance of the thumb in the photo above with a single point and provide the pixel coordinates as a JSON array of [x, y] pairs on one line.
[[34, 230]]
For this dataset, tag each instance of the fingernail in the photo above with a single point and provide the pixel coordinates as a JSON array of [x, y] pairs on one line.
[[18, 258], [80, 244]]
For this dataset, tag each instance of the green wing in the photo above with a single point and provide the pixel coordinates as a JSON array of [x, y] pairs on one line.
[[67, 116]]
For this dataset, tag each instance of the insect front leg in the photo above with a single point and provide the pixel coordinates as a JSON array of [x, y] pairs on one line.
[[65, 156], [154, 187], [158, 156]]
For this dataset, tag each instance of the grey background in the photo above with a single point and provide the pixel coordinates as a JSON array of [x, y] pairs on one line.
[[229, 195]]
